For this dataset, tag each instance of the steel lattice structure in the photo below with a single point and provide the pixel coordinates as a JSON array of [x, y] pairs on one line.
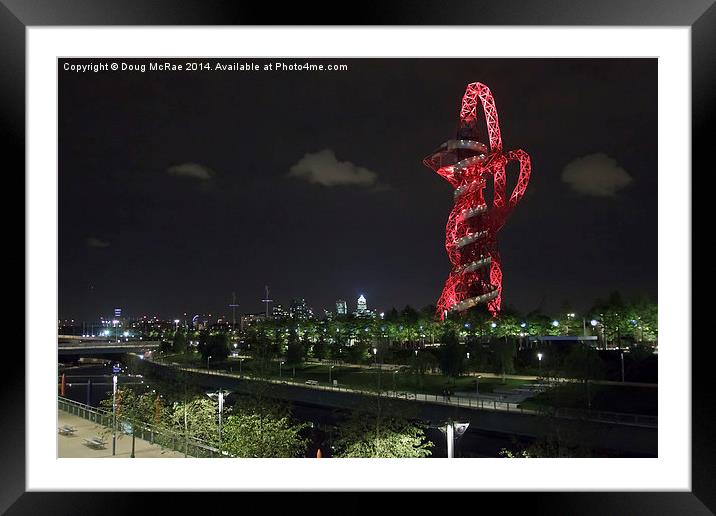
[[471, 230]]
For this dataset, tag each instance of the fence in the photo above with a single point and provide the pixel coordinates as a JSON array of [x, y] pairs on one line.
[[191, 446], [478, 403]]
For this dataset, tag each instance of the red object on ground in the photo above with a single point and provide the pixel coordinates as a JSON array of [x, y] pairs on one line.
[[471, 230]]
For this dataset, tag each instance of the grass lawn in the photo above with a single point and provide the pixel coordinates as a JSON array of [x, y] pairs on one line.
[[359, 377], [609, 398]]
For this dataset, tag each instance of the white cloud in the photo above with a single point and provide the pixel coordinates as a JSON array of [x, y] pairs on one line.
[[596, 174], [324, 169], [194, 170], [96, 242]]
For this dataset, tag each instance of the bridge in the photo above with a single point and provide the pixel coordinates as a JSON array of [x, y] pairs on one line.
[[89, 346]]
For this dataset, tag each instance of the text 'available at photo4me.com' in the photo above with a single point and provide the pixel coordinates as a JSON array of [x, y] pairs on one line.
[[204, 65]]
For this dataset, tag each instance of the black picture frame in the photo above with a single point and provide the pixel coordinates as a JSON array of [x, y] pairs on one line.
[[700, 15]]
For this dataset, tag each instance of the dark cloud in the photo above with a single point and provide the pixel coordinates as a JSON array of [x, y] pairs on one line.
[[596, 174], [194, 170], [323, 168], [96, 242]]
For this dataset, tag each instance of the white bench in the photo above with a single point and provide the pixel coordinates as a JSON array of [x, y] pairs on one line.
[[95, 442]]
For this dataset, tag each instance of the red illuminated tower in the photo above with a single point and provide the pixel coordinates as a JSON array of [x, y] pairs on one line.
[[471, 231]]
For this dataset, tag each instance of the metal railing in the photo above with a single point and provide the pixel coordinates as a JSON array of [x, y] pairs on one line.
[[470, 402], [191, 446]]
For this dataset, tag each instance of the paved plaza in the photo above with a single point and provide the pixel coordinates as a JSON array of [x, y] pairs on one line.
[[73, 446]]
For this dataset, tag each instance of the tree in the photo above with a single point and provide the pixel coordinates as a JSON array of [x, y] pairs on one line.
[[583, 363], [165, 346], [263, 351], [370, 436], [294, 352], [421, 363], [134, 408], [505, 350], [320, 348], [451, 356], [179, 342], [257, 434], [215, 346], [195, 418]]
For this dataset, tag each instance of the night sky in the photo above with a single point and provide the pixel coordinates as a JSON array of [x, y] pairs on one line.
[[177, 188]]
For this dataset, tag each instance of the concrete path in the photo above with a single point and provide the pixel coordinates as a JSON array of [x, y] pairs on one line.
[[74, 447]]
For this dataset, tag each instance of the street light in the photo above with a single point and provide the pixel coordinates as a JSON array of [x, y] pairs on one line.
[[207, 362], [539, 358], [394, 389], [330, 381], [280, 364], [241, 361], [453, 431], [375, 354], [114, 414], [622, 357], [477, 385], [220, 395]]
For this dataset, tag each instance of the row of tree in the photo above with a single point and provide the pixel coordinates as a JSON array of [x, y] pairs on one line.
[[256, 425]]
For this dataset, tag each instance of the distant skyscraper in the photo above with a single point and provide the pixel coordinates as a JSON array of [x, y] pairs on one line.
[[341, 307], [362, 310], [362, 304], [278, 312], [300, 310], [117, 313]]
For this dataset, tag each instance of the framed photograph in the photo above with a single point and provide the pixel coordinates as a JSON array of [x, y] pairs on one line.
[[449, 257]]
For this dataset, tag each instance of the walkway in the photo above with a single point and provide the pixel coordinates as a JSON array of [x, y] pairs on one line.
[[73, 446], [467, 400]]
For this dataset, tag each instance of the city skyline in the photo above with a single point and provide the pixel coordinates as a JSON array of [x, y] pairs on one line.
[[200, 186]]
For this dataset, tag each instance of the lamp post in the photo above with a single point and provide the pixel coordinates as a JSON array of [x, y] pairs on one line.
[[241, 361], [114, 414], [622, 359], [280, 370], [330, 381], [394, 388], [539, 361], [453, 431], [220, 397], [477, 385], [207, 363], [375, 355]]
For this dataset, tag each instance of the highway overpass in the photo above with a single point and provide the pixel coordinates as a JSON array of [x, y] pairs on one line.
[[92, 347]]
